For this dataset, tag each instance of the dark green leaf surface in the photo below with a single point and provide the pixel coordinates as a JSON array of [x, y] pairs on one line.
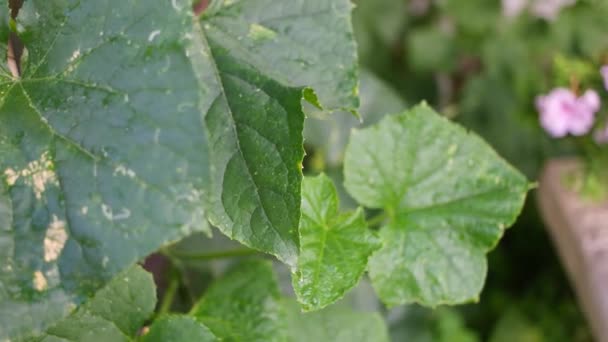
[[449, 197], [109, 93], [334, 324], [334, 247], [259, 49], [178, 328], [299, 43], [116, 313], [244, 305]]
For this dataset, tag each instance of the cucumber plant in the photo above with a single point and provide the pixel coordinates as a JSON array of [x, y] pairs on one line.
[[128, 125]]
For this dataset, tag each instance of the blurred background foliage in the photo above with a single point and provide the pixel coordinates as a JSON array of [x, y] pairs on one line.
[[484, 70]]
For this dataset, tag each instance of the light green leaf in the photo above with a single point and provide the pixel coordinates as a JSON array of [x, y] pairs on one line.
[[116, 313], [449, 197], [178, 328], [334, 247], [334, 324], [244, 305]]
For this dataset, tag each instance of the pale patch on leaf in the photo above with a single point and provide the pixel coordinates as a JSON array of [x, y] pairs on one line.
[[55, 239], [37, 174]]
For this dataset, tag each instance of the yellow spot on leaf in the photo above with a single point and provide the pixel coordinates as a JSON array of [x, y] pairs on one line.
[[259, 32]]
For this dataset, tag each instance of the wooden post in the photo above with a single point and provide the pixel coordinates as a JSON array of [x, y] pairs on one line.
[[579, 230]]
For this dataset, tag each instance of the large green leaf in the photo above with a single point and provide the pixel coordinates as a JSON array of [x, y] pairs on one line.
[[105, 99], [244, 305], [448, 196], [334, 247], [334, 324], [131, 118], [116, 313], [178, 328], [259, 48]]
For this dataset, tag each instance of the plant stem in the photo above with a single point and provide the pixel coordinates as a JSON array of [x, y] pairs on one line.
[[377, 220], [169, 296], [241, 252]]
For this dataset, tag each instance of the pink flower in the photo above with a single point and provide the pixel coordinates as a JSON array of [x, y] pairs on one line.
[[604, 72], [562, 113]]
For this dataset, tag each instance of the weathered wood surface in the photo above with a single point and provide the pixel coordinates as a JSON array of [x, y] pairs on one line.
[[579, 230]]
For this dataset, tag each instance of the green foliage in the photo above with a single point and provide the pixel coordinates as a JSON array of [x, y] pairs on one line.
[[244, 305], [448, 198], [130, 126], [439, 325], [115, 313], [256, 62], [113, 89], [336, 324], [177, 328], [334, 247]]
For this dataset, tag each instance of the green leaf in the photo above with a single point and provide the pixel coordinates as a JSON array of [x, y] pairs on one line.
[[105, 99], [243, 305], [335, 324], [334, 247], [116, 313], [449, 197], [261, 54], [178, 328], [299, 43]]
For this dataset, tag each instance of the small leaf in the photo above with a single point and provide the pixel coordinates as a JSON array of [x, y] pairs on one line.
[[243, 305], [115, 313], [334, 247], [178, 328], [335, 324], [449, 197]]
